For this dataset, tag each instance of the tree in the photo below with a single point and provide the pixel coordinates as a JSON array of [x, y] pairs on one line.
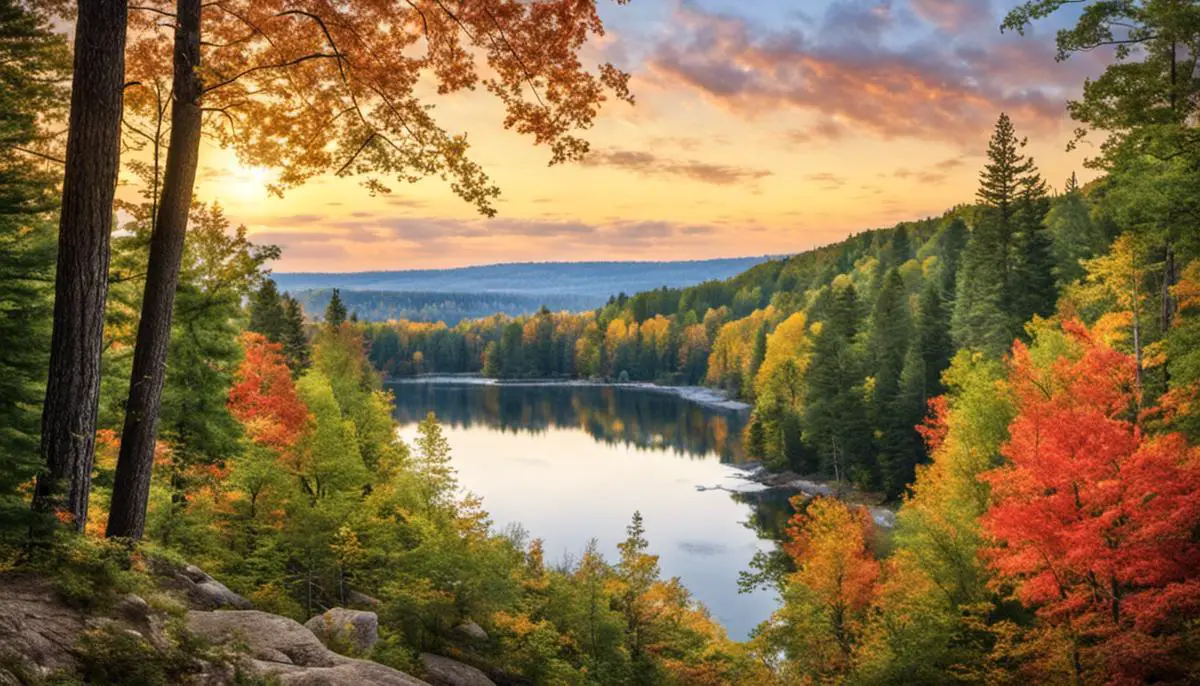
[[637, 570], [357, 73], [81, 279], [218, 271], [295, 339], [1008, 244], [33, 60], [835, 421], [827, 599], [936, 587], [1144, 104], [263, 397], [1076, 237], [432, 465], [1094, 518], [1033, 286], [167, 236], [267, 315], [335, 311], [891, 331]]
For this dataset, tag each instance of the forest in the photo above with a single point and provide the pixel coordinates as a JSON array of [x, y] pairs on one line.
[[1020, 375], [432, 306]]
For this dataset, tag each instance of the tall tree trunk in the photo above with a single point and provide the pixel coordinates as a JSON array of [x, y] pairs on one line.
[[131, 488], [81, 284]]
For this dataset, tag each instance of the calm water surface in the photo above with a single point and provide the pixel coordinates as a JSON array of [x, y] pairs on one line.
[[571, 463]]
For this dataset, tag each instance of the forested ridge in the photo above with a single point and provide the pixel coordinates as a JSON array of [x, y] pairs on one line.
[[1020, 375]]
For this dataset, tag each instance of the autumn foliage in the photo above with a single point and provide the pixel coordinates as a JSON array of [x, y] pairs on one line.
[[1094, 520], [263, 397]]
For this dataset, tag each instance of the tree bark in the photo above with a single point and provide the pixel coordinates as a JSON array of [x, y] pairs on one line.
[[131, 488], [81, 284]]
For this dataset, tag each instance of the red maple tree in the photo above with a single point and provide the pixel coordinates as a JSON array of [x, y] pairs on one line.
[[263, 397], [1095, 520]]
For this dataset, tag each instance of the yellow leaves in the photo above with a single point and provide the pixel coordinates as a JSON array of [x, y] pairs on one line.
[[1113, 327], [518, 625], [787, 358]]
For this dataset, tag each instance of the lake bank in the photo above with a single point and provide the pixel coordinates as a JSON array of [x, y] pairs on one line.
[[756, 472], [701, 395]]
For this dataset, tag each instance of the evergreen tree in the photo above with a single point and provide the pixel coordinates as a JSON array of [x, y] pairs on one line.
[[757, 354], [899, 248], [933, 341], [835, 411], [890, 340], [891, 329], [266, 312], [953, 241], [980, 319], [295, 340], [335, 311], [33, 60], [1007, 248], [1076, 236], [1002, 180]]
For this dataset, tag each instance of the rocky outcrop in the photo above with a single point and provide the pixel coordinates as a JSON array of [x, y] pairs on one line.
[[442, 671], [353, 631], [37, 630], [40, 639], [282, 649], [206, 592]]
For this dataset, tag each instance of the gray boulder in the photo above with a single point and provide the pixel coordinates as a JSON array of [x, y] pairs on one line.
[[442, 671], [282, 649], [208, 593], [356, 630], [472, 631]]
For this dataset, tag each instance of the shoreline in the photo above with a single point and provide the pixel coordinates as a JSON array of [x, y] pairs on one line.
[[700, 395], [884, 516]]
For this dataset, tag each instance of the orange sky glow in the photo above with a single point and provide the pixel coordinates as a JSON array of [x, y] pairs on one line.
[[764, 131]]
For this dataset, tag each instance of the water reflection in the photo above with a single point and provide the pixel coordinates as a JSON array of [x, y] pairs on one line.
[[613, 415], [572, 463]]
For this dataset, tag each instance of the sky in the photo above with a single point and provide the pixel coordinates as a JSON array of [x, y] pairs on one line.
[[761, 127]]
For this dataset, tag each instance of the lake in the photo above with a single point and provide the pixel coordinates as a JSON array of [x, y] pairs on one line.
[[571, 463]]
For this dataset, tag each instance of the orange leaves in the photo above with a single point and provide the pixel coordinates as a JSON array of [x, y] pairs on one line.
[[828, 541], [315, 86], [263, 397], [1093, 518]]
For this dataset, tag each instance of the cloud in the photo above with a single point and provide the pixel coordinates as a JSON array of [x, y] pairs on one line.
[[431, 234], [930, 88], [954, 15], [649, 164], [824, 130], [827, 180], [934, 173]]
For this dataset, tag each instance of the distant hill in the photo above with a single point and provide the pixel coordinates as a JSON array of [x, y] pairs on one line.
[[518, 288], [596, 279]]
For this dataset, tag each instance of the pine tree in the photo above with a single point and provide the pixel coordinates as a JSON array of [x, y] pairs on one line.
[[835, 423], [266, 312], [33, 60], [335, 311], [933, 341], [891, 330], [1076, 236], [981, 321], [1001, 181], [295, 340], [1002, 281]]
